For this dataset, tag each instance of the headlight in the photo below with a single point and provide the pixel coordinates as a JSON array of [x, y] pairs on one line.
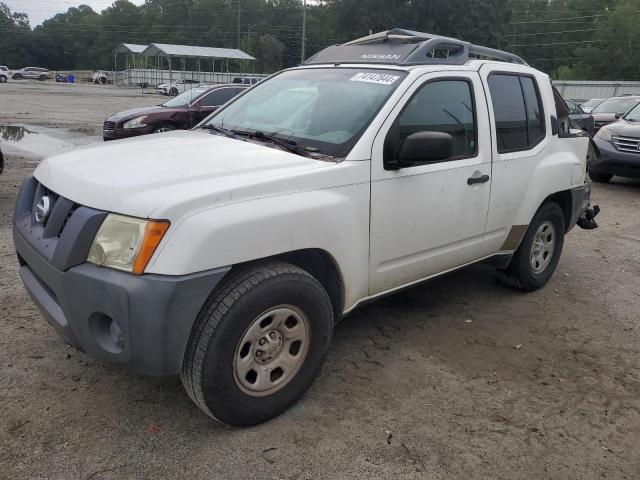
[[126, 243], [605, 134], [135, 123]]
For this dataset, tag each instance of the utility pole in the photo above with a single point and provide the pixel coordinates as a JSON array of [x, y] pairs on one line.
[[304, 28], [238, 27]]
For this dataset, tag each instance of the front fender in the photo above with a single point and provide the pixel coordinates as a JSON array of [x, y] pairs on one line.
[[335, 220]]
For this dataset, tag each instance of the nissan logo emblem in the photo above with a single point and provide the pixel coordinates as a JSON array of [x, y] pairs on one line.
[[43, 208]]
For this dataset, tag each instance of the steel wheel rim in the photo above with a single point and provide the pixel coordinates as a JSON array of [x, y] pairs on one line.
[[544, 244], [271, 351]]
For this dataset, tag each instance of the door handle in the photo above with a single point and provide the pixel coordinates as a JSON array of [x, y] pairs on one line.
[[479, 179]]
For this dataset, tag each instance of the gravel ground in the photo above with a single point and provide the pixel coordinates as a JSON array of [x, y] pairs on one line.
[[456, 378]]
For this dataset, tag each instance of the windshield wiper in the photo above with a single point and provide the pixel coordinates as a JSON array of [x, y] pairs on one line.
[[222, 130], [289, 145]]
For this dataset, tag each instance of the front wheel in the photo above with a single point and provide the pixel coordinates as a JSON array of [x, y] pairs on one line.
[[537, 256], [17, 76], [3, 79], [258, 343], [165, 127]]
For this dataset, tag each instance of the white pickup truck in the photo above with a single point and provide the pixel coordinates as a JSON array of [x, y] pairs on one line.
[[227, 253]]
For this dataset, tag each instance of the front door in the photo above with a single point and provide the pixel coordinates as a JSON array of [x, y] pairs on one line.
[[430, 218]]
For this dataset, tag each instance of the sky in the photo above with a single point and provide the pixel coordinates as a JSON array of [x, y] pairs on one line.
[[40, 10]]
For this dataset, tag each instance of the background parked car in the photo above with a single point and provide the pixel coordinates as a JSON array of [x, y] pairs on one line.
[[247, 80], [589, 105], [4, 73], [178, 86], [1, 162], [34, 73], [612, 109], [183, 112], [583, 120], [619, 148]]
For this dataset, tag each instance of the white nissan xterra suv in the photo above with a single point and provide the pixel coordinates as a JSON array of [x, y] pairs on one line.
[[227, 253]]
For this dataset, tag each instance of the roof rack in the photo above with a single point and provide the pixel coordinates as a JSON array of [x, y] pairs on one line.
[[406, 47]]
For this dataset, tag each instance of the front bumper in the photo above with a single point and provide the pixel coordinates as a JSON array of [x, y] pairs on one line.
[[141, 322], [119, 132], [614, 161]]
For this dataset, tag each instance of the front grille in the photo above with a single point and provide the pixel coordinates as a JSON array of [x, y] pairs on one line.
[[109, 125], [626, 144], [62, 231]]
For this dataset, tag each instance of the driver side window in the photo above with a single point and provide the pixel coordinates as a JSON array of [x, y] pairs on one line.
[[443, 106]]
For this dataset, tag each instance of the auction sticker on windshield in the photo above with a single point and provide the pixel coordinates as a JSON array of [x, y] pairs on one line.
[[379, 78]]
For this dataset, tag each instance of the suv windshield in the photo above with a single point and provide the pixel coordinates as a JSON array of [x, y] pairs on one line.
[[324, 110], [633, 115], [594, 102], [616, 105], [184, 98]]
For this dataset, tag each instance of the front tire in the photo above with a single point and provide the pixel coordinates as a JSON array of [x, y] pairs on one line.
[[17, 76], [600, 177], [537, 256], [3, 79], [258, 343], [165, 127]]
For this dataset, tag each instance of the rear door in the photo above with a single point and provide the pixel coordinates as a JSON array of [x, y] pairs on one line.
[[430, 218], [521, 119]]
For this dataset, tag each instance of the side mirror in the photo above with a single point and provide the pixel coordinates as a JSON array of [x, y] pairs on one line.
[[619, 115], [424, 147]]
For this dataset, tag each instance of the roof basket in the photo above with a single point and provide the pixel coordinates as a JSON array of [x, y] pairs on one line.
[[406, 47]]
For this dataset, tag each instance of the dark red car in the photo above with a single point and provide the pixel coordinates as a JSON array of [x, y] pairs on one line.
[[180, 113]]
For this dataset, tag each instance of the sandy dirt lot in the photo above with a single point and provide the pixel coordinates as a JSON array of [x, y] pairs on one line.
[[456, 378]]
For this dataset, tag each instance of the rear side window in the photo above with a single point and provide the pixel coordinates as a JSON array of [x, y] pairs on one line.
[[518, 112]]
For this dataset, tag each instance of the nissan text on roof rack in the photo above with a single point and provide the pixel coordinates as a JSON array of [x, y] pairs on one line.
[[373, 166]]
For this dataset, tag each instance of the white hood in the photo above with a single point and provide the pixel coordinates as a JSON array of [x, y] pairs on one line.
[[162, 175]]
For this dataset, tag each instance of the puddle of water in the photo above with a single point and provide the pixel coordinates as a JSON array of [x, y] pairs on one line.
[[39, 142]]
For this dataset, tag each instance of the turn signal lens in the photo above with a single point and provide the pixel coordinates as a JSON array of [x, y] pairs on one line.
[[153, 233]]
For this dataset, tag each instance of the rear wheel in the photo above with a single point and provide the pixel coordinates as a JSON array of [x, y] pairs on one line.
[[600, 177], [173, 91], [537, 256], [42, 78], [258, 343]]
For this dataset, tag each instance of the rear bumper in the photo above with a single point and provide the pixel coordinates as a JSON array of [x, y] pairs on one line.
[[580, 198], [614, 161], [142, 323]]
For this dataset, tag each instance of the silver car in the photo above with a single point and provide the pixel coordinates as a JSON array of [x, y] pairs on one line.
[[34, 73]]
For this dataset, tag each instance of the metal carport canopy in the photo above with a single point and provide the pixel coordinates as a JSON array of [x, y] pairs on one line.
[[129, 48], [189, 51]]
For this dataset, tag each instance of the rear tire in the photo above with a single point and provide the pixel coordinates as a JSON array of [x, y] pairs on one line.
[[42, 78], [600, 177], [274, 306], [173, 92], [537, 256]]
